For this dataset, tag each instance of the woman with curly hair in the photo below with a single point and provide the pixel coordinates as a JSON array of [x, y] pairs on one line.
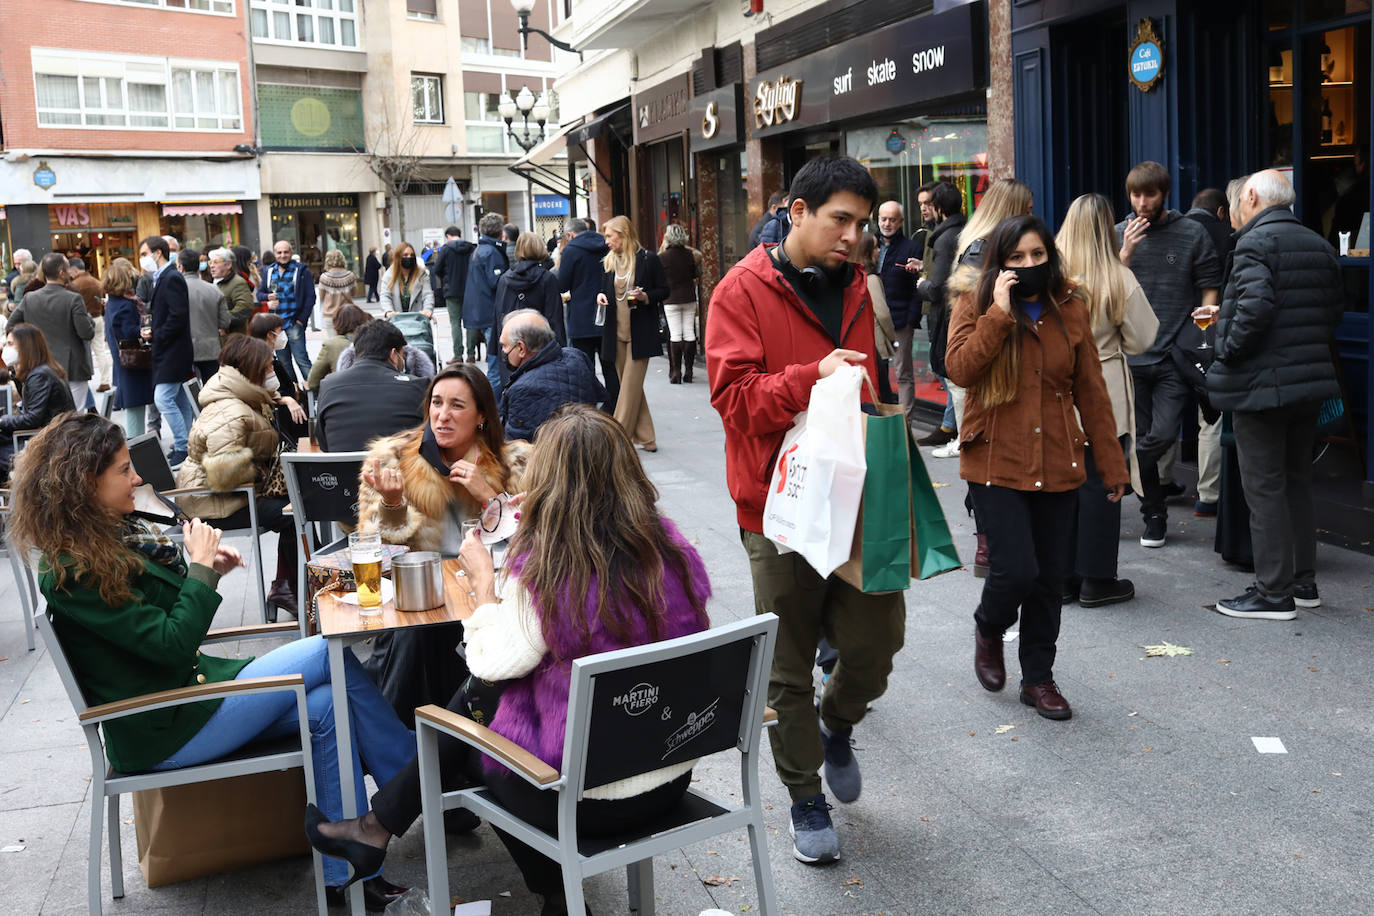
[[131, 608]]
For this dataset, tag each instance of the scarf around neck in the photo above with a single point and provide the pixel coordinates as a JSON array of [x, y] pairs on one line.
[[147, 541]]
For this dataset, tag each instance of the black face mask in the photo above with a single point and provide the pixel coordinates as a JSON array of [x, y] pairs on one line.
[[408, 263], [1031, 282]]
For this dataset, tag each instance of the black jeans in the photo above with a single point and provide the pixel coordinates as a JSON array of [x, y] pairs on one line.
[[397, 805], [1160, 400], [1099, 524], [596, 352], [1275, 452], [1030, 548], [270, 518]]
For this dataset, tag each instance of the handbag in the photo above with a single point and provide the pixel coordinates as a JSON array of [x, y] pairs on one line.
[[135, 352], [272, 479], [478, 699]]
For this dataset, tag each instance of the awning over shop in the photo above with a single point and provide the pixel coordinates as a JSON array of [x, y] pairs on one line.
[[596, 127], [201, 209]]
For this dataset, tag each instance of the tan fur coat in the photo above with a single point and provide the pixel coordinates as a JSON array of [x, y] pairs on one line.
[[429, 495]]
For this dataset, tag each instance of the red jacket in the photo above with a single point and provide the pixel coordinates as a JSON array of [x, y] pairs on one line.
[[763, 354]]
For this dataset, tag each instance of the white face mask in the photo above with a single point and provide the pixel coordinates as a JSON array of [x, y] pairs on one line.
[[10, 355], [148, 263], [272, 384]]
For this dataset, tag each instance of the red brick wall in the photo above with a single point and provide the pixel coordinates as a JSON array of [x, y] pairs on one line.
[[116, 29]]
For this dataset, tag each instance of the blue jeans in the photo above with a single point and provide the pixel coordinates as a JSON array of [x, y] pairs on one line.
[[494, 362], [949, 420], [295, 345], [386, 745], [174, 404]]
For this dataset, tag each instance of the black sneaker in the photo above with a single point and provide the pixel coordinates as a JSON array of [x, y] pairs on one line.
[[1101, 592], [1257, 605], [1156, 526], [1173, 490], [1305, 594]]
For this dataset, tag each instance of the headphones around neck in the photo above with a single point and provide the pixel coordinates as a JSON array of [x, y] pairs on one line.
[[814, 276]]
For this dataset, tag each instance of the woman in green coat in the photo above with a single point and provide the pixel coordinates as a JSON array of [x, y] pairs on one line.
[[131, 610]]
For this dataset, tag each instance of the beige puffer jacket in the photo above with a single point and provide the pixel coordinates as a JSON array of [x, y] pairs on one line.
[[231, 439]]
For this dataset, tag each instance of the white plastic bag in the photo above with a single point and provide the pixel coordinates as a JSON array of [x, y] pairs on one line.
[[818, 477]]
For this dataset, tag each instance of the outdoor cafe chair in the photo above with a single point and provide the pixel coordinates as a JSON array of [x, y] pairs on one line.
[[23, 574], [323, 490]]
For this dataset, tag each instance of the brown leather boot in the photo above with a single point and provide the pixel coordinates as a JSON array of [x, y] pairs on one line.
[[675, 362], [1047, 700], [981, 558], [689, 359], [988, 664]]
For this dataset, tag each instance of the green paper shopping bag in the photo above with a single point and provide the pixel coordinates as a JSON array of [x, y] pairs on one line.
[[935, 551], [883, 554]]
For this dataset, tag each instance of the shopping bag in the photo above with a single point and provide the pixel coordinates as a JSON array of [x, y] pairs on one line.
[[818, 478], [883, 553], [204, 828], [935, 551]]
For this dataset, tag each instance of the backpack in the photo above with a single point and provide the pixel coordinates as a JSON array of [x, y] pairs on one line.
[[418, 331]]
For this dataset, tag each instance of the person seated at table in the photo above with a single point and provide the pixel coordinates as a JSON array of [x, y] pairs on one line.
[[593, 567], [346, 321], [417, 489], [414, 361], [544, 375], [286, 395], [233, 443], [372, 398], [131, 609], [42, 387]]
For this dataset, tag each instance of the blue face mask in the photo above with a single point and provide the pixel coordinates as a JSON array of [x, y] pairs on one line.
[[204, 266]]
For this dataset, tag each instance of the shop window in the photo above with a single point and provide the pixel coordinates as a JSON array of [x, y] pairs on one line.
[[203, 233], [1319, 10], [331, 23], [116, 92], [1334, 183], [427, 98]]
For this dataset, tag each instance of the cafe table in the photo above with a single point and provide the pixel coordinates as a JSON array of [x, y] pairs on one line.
[[341, 626]]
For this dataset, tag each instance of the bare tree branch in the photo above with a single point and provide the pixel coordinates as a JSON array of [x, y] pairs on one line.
[[395, 159]]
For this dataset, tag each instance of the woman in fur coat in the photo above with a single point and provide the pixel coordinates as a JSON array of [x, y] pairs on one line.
[[417, 489], [233, 443]]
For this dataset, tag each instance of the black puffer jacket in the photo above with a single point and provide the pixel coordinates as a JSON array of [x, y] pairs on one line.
[[944, 244], [545, 382], [1278, 314]]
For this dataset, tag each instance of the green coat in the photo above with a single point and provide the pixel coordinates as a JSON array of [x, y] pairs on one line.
[[150, 643]]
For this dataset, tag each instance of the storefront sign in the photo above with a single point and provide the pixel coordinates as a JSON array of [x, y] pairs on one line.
[[43, 176], [550, 205], [716, 119], [663, 110], [314, 202], [1146, 57], [927, 57]]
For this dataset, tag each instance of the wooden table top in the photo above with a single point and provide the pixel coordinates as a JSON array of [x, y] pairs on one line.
[[340, 619]]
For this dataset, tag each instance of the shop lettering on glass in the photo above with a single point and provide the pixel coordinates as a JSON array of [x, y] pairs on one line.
[[72, 215], [672, 105], [777, 102]]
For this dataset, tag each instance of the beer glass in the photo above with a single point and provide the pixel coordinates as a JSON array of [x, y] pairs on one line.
[[365, 552]]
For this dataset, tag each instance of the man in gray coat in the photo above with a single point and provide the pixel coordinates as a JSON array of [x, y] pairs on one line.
[[209, 314], [62, 317], [1273, 369]]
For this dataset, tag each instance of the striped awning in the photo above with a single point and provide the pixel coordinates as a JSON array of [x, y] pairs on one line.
[[201, 209]]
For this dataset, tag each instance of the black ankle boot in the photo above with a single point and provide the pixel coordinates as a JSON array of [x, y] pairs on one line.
[[689, 358]]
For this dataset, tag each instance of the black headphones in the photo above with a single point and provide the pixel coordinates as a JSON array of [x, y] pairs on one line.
[[813, 276]]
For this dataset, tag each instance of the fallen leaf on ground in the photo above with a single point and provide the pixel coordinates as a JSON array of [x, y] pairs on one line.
[[1003, 729], [714, 880], [1166, 649], [852, 881]]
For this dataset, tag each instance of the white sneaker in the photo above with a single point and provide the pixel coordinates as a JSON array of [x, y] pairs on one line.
[[948, 450]]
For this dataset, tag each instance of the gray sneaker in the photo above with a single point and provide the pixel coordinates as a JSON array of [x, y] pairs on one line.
[[814, 840], [841, 766]]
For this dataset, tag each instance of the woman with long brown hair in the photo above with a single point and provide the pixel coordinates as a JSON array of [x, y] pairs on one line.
[[131, 608], [1123, 324], [592, 568], [405, 285], [43, 389], [1021, 343], [123, 321], [632, 292]]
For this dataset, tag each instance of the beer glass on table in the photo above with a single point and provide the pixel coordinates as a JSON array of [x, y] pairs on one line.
[[365, 553]]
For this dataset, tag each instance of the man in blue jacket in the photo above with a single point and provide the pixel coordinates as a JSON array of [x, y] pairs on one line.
[[544, 376], [579, 275], [170, 335], [485, 268], [899, 260], [450, 270], [289, 290]]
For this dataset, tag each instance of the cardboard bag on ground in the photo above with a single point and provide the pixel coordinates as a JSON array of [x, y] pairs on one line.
[[818, 476], [206, 828]]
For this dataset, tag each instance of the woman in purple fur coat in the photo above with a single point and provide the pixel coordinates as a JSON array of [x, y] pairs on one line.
[[590, 528]]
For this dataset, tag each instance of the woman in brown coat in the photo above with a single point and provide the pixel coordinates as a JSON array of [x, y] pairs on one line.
[[1022, 344]]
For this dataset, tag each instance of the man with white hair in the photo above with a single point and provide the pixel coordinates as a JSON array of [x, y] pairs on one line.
[[20, 256], [235, 289], [1273, 369]]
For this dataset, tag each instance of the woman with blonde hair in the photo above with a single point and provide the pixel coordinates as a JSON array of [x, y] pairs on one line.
[[632, 290], [335, 287], [133, 388], [405, 285], [1123, 324], [682, 268], [1006, 198], [1020, 342]]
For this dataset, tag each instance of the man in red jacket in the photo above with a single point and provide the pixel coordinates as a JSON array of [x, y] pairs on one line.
[[782, 318]]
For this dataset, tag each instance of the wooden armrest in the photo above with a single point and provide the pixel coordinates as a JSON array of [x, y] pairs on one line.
[[770, 716], [260, 629], [183, 695], [491, 744]]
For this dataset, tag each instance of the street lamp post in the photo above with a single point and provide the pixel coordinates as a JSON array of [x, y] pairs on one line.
[[522, 9], [528, 136]]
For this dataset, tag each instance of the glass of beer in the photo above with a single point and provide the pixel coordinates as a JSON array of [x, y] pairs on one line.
[[1204, 320], [365, 552]]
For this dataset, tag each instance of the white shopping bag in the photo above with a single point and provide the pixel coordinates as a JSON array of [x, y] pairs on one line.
[[818, 477]]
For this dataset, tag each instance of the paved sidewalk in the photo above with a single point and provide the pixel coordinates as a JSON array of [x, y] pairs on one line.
[[1152, 799]]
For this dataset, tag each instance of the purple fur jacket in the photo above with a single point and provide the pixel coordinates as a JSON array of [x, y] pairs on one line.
[[533, 708]]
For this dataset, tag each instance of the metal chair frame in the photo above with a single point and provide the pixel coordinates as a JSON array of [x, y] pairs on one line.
[[306, 534]]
